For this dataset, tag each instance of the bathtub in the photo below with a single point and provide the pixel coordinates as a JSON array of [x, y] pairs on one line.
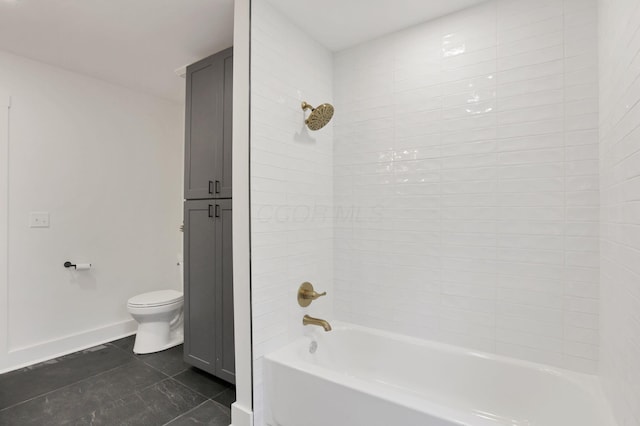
[[356, 376]]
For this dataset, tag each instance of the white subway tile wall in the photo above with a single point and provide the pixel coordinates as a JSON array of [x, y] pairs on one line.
[[466, 181], [291, 183], [620, 206], [455, 195]]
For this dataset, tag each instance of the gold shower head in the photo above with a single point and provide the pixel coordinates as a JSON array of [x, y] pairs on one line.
[[319, 116]]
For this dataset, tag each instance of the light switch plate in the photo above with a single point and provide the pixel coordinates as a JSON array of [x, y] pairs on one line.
[[39, 220]]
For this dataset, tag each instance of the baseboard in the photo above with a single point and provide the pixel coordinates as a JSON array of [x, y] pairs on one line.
[[240, 416], [22, 357]]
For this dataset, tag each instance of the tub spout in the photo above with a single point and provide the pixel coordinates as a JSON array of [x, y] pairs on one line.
[[307, 320]]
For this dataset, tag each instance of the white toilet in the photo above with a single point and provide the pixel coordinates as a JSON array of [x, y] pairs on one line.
[[160, 320]]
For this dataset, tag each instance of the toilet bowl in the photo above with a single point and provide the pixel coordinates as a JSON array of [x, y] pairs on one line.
[[159, 317]]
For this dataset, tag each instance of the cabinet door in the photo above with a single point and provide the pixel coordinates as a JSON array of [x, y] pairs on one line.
[[208, 287], [200, 269], [208, 127], [225, 362]]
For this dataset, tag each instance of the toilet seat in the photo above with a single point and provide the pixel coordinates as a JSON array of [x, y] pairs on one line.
[[155, 298]]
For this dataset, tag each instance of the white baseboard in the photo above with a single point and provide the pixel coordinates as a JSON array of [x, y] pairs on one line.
[[22, 357], [240, 416]]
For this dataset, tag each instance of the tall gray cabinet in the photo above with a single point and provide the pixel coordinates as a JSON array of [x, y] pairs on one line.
[[208, 274]]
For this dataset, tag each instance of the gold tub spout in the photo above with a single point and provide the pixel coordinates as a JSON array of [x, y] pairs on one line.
[[307, 320]]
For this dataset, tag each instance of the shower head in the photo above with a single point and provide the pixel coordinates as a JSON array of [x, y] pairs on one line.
[[319, 116]]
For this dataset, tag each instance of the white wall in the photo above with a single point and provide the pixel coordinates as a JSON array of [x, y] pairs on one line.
[[620, 206], [242, 408], [291, 183], [469, 146], [106, 163], [5, 101]]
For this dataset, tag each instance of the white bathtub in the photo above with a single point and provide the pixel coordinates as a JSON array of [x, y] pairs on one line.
[[365, 377]]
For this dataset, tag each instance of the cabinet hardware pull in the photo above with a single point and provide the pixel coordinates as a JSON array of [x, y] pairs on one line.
[[217, 187], [210, 187], [211, 210], [217, 210]]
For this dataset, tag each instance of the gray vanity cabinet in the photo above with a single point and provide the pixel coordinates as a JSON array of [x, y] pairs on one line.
[[208, 127], [208, 292]]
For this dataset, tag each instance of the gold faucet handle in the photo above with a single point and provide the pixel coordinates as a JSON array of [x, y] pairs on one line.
[[306, 294], [313, 295]]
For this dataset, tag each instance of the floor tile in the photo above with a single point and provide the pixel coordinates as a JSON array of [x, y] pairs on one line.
[[82, 398], [152, 406], [202, 382], [226, 398], [170, 361], [26, 383], [209, 413], [126, 343], [109, 385]]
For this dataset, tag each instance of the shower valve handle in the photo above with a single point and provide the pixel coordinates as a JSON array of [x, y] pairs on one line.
[[306, 294]]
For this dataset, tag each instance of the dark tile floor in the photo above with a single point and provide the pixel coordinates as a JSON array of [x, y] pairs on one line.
[[110, 385]]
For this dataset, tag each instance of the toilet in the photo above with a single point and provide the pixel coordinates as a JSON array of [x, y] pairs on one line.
[[160, 319]]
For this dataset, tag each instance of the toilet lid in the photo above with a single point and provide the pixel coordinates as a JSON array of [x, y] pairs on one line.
[[156, 298]]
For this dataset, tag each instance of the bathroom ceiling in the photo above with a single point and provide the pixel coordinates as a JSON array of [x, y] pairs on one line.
[[135, 43], [339, 24]]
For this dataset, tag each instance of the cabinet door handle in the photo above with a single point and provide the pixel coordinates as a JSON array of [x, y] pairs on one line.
[[217, 187], [211, 210], [217, 210], [210, 187]]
